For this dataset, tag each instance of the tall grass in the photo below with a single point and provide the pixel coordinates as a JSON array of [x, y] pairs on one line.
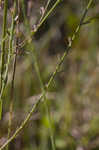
[[5, 64]]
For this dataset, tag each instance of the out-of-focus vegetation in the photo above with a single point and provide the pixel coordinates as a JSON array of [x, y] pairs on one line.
[[73, 97]]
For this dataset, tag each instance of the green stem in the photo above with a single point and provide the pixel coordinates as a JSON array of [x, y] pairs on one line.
[[42, 96], [40, 23], [45, 99], [70, 44], [9, 54], [9, 58], [3, 41], [3, 51], [46, 16]]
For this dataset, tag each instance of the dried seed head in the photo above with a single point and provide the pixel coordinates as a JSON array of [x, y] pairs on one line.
[[34, 28], [42, 10]]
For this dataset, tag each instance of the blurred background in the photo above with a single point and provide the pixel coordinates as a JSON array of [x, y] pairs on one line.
[[73, 97]]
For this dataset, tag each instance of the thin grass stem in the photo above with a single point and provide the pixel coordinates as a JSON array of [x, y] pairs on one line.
[[50, 81], [45, 98]]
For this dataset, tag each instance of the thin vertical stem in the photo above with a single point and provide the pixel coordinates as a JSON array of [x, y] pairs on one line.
[[45, 99], [3, 41], [14, 70], [2, 65]]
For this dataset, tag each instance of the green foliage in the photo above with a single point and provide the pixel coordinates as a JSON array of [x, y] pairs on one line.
[[49, 93]]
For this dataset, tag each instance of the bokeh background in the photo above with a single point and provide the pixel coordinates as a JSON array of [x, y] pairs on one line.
[[73, 97]]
